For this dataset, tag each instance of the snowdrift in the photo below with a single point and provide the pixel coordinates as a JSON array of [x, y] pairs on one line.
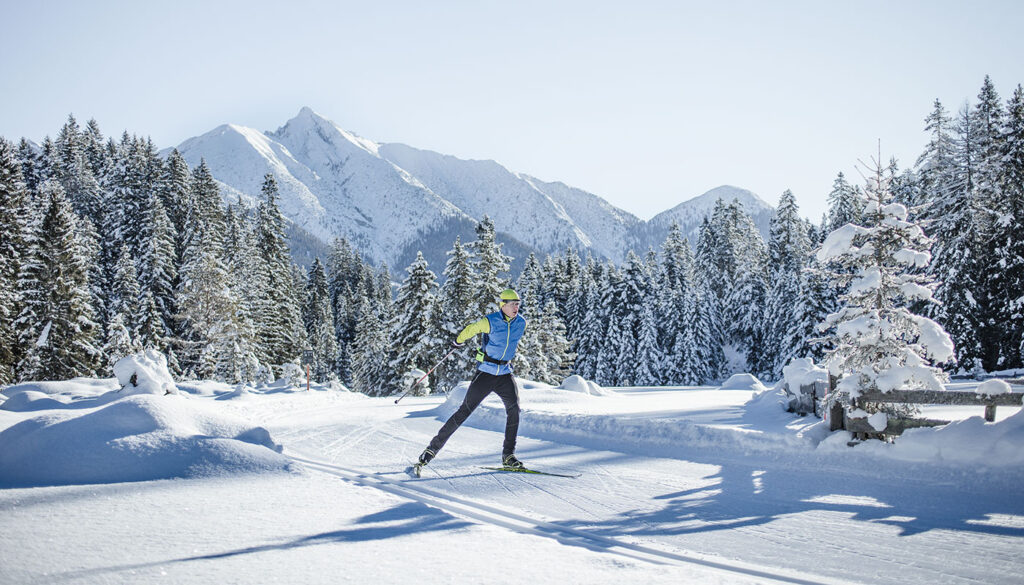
[[137, 438]]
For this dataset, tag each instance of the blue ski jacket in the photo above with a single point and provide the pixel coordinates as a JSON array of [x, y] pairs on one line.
[[501, 337]]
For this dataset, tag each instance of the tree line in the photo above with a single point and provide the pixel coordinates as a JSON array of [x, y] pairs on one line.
[[107, 248]]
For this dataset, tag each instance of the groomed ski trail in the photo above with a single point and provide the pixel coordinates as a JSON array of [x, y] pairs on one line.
[[524, 524]]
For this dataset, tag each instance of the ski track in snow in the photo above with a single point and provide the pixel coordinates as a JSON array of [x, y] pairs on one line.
[[525, 524], [735, 515]]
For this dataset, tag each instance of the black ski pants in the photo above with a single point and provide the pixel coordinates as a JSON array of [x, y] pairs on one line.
[[482, 385]]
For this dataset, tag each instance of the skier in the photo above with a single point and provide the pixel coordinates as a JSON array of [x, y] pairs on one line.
[[502, 331]]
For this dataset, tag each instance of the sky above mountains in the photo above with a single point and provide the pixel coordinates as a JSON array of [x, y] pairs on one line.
[[644, 105]]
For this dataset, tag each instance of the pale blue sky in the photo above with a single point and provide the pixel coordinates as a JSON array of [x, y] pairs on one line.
[[646, 104]]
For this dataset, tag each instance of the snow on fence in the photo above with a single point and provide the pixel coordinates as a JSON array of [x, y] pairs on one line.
[[811, 398]]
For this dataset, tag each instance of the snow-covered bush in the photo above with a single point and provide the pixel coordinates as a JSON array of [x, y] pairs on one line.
[[877, 342], [410, 378], [293, 374], [800, 374], [145, 373]]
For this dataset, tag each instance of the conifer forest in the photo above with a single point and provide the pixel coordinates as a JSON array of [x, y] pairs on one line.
[[108, 248]]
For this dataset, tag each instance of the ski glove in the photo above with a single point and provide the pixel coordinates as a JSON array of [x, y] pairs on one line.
[[457, 345]]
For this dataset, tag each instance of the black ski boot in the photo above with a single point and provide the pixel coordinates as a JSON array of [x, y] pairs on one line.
[[510, 462], [425, 458]]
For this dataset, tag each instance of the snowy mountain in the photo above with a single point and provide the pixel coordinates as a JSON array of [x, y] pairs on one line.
[[689, 214], [335, 183]]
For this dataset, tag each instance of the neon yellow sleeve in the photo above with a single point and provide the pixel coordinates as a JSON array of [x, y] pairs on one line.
[[475, 328]]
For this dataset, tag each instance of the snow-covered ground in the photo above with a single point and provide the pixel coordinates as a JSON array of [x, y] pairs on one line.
[[218, 484]]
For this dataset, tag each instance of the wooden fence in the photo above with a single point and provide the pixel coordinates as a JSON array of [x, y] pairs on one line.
[[811, 398]]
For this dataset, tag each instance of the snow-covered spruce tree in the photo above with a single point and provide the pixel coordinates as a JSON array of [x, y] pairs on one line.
[[280, 318], [369, 355], [846, 204], [413, 346], [55, 325], [1007, 236], [675, 284], [344, 280], [204, 298], [14, 216], [491, 266], [319, 320], [72, 169], [957, 259], [33, 167], [531, 287], [125, 312], [788, 252], [158, 268], [556, 358], [988, 125], [455, 308], [649, 354], [879, 344], [589, 314]]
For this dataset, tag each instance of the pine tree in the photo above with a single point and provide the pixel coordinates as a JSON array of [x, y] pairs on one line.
[[126, 296], [412, 345], [935, 166], [1007, 282], [878, 343], [589, 314], [957, 261], [56, 325], [555, 360], [846, 204], [369, 357], [158, 270], [33, 167], [649, 358], [279, 320], [491, 265], [788, 251], [319, 320], [987, 116], [455, 308], [204, 298], [14, 217]]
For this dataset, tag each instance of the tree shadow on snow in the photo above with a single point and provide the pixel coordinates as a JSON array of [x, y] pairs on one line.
[[401, 520]]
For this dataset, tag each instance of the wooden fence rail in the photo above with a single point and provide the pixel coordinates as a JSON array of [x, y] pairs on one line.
[[811, 397]]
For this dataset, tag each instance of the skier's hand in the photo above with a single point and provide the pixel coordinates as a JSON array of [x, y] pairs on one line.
[[456, 344]]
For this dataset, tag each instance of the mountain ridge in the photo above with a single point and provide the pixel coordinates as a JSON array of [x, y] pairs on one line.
[[388, 199]]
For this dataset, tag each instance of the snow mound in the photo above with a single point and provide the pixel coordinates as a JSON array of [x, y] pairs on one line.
[[579, 384], [993, 387], [139, 438], [972, 443], [145, 373], [32, 400], [802, 372], [743, 382]]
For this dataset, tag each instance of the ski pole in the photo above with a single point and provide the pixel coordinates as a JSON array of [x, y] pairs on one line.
[[425, 375]]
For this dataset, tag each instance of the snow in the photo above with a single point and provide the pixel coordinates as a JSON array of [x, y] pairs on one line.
[[743, 382], [839, 242], [145, 373], [993, 387], [803, 372], [935, 340], [223, 483], [576, 383]]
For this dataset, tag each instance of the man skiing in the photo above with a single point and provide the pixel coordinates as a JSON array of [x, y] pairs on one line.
[[502, 331]]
